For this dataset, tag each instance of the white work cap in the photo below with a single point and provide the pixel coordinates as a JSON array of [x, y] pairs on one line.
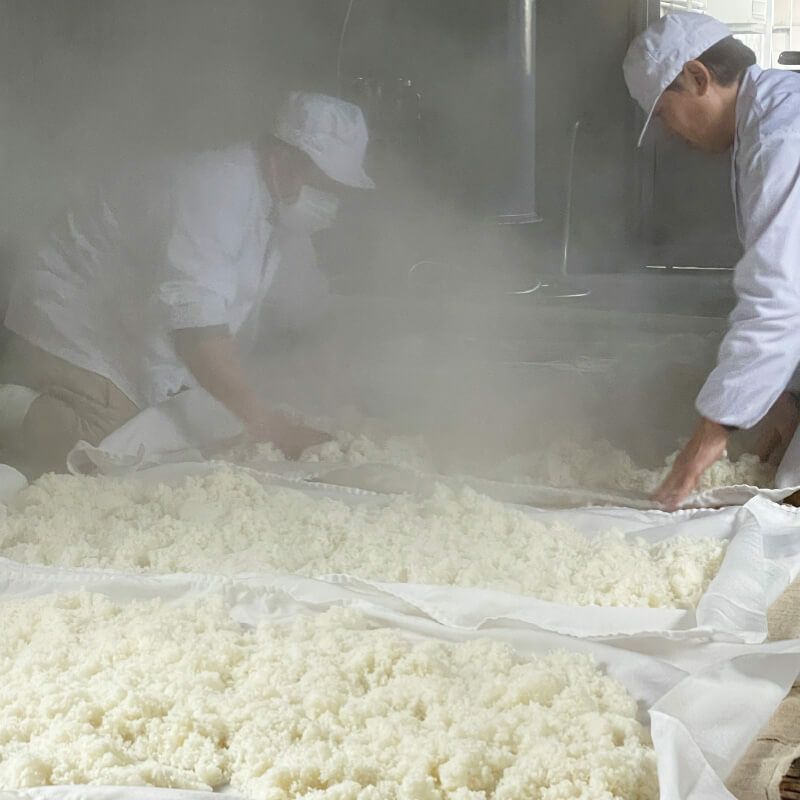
[[332, 132], [657, 55]]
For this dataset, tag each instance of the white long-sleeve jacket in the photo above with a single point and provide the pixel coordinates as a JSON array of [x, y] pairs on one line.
[[154, 248], [760, 354]]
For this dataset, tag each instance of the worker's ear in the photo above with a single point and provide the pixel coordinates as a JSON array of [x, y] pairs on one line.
[[285, 178], [696, 78]]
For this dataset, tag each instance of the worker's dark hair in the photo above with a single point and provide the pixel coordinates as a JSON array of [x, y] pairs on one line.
[[726, 61], [274, 143]]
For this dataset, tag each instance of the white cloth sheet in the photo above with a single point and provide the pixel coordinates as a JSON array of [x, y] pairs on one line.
[[696, 736], [183, 427], [762, 559]]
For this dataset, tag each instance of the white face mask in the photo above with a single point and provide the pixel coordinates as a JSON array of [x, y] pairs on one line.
[[314, 210]]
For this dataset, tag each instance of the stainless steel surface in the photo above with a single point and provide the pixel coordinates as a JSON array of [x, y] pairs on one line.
[[534, 288], [563, 290], [439, 368], [517, 219]]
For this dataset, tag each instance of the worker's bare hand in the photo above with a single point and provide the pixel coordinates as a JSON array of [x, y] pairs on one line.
[[777, 429], [706, 447], [296, 438], [291, 438]]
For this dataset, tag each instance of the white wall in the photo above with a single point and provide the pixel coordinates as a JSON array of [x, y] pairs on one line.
[[796, 25], [733, 11]]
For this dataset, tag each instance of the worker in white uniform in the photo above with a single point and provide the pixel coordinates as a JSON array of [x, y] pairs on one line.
[[703, 85], [142, 289]]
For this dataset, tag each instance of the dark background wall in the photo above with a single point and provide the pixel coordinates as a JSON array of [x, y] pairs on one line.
[[449, 50], [86, 83], [690, 219], [581, 46]]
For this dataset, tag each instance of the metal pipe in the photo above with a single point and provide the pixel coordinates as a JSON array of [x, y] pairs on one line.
[[568, 205], [518, 202]]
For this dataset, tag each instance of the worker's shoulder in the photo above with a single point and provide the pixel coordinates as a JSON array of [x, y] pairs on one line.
[[235, 162], [214, 181], [773, 102]]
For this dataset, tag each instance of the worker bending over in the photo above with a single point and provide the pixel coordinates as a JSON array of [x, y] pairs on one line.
[[143, 290], [688, 71]]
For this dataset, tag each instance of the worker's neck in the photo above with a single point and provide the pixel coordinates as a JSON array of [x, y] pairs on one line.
[[265, 149], [727, 123]]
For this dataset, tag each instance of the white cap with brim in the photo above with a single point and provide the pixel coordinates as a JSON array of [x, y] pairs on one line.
[[657, 55], [331, 132]]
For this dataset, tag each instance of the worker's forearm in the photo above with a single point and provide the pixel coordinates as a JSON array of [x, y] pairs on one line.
[[213, 360]]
